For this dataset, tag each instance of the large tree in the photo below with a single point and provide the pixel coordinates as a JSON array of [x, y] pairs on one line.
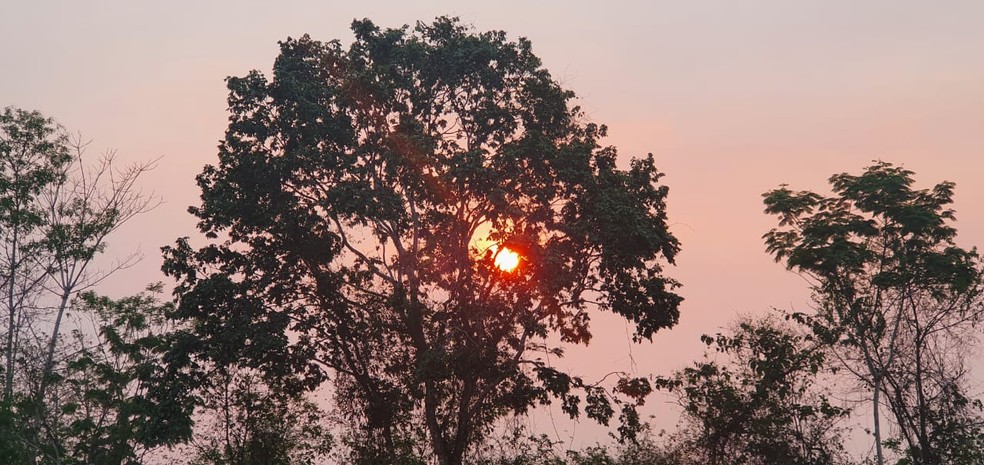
[[360, 203], [897, 298]]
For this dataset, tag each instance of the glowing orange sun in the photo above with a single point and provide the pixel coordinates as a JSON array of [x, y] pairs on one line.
[[506, 259]]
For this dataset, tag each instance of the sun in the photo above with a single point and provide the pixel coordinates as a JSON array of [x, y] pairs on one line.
[[505, 259]]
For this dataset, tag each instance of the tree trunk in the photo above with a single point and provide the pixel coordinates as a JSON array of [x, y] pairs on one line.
[[8, 383], [926, 453], [438, 441], [879, 458], [50, 356]]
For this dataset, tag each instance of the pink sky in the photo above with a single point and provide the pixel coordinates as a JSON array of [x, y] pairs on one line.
[[732, 97]]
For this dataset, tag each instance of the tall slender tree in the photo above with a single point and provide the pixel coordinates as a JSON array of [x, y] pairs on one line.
[[894, 294], [84, 205]]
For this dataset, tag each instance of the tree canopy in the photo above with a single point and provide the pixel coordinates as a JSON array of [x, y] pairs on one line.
[[359, 200]]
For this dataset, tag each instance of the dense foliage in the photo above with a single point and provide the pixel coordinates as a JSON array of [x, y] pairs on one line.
[[760, 404], [359, 201]]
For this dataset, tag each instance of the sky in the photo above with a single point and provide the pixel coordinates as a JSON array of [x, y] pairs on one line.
[[732, 97]]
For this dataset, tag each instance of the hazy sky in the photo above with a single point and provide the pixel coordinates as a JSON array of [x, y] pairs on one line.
[[733, 98]]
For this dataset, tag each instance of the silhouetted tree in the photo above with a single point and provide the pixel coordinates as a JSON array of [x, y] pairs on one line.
[[759, 405], [896, 297], [107, 409], [353, 214], [243, 422]]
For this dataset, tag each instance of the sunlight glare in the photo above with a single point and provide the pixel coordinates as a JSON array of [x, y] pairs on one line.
[[506, 259]]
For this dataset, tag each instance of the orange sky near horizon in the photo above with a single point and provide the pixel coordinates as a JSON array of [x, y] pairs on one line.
[[732, 98]]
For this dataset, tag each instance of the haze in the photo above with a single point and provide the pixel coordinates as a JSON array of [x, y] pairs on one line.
[[733, 98]]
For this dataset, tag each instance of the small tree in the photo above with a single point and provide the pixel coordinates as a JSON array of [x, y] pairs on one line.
[[760, 405], [108, 410], [244, 422], [363, 197], [895, 294]]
